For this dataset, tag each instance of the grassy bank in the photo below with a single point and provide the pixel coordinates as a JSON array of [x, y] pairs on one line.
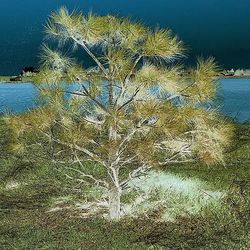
[[30, 188]]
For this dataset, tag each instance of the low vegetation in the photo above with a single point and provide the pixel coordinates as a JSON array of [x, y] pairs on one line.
[[41, 209]]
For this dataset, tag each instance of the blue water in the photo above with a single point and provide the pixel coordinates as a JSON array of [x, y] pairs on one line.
[[236, 98], [213, 27], [16, 98], [235, 93]]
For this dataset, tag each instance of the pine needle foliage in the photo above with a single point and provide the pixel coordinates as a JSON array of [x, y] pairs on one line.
[[127, 113]]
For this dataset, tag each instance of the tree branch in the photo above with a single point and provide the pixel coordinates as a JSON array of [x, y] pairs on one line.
[[141, 171], [130, 100], [85, 47], [88, 176], [132, 70], [123, 89], [175, 162], [87, 94], [74, 146], [94, 99]]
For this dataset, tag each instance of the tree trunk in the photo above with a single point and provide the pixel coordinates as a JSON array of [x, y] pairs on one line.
[[110, 93], [115, 204]]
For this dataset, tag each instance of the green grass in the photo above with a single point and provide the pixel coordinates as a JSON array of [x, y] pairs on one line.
[[236, 169], [25, 222]]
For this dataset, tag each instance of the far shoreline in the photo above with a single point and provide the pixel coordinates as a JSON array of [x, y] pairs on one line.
[[25, 79], [29, 79]]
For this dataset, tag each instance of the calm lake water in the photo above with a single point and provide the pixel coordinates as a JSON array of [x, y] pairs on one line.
[[235, 93]]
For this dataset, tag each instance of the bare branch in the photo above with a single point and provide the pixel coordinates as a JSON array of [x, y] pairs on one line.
[[176, 162], [130, 100], [87, 94], [137, 173], [74, 146], [129, 160], [133, 68], [94, 99], [88, 176], [92, 121], [85, 47]]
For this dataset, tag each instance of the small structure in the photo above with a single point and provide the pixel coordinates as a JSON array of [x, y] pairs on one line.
[[29, 71], [239, 72], [228, 72], [16, 78]]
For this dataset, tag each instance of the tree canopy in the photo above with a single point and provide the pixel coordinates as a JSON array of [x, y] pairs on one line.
[[136, 109]]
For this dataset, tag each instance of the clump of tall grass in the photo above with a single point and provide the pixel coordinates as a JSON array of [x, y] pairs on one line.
[[173, 195]]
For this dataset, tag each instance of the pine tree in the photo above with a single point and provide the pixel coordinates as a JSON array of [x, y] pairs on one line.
[[136, 109]]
